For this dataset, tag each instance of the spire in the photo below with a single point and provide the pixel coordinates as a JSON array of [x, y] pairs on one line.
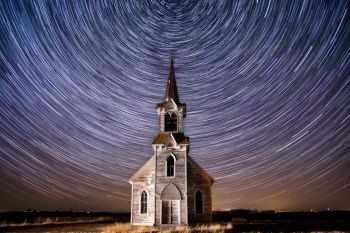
[[171, 89]]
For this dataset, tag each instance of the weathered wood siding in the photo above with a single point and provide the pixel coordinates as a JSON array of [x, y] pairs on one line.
[[179, 180], [198, 181], [145, 182], [161, 121], [180, 118], [178, 191]]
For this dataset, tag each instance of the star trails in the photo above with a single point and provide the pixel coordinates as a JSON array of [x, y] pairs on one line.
[[266, 85]]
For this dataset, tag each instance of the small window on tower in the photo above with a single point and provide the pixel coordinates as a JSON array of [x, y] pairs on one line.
[[170, 121], [170, 166]]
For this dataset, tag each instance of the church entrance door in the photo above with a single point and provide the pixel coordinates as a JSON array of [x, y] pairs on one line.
[[170, 212]]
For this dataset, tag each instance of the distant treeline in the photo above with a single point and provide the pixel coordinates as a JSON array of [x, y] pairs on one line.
[[249, 220], [56, 217], [271, 215]]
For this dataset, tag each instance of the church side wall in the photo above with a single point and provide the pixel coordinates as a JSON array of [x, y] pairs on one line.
[[197, 181], [143, 183]]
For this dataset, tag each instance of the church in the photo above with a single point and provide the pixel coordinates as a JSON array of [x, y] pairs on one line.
[[171, 188]]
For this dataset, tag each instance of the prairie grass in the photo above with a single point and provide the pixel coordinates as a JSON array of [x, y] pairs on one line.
[[127, 228]]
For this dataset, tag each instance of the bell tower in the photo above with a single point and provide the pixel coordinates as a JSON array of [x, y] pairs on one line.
[[171, 148], [171, 112]]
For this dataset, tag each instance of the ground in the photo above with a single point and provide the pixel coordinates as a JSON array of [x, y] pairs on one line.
[[116, 228]]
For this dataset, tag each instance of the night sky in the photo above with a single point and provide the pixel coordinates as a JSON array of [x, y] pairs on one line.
[[266, 83]]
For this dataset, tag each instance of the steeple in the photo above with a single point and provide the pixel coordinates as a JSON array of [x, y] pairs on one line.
[[171, 89], [171, 112]]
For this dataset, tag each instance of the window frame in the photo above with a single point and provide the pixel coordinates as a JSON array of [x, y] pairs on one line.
[[166, 166], [195, 201], [144, 191]]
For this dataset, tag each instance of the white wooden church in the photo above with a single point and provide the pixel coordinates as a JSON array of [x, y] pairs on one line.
[[171, 188]]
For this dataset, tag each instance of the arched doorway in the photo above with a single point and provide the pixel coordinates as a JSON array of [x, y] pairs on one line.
[[171, 213]]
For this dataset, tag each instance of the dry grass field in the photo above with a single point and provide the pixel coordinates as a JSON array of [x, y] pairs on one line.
[[116, 228], [127, 228], [55, 220], [64, 222], [213, 228]]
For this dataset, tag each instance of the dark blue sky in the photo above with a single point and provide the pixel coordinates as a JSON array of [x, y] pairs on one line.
[[266, 83]]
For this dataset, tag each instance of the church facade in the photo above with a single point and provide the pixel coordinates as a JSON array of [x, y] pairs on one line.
[[171, 188]]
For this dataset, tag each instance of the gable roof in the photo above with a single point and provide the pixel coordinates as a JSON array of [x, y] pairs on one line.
[[201, 169], [147, 165], [162, 138], [152, 160]]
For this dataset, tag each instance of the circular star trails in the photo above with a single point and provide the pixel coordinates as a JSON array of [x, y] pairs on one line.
[[266, 83]]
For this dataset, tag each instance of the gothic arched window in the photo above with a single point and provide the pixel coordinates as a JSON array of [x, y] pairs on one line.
[[170, 122], [143, 202], [199, 202], [170, 168]]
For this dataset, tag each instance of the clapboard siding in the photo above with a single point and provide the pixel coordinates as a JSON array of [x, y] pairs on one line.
[[189, 177], [180, 123]]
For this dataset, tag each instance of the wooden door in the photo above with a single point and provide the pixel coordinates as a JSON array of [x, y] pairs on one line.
[[175, 212], [170, 212], [166, 212]]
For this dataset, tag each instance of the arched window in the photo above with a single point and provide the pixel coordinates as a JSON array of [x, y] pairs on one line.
[[199, 202], [170, 168], [143, 202], [170, 121]]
